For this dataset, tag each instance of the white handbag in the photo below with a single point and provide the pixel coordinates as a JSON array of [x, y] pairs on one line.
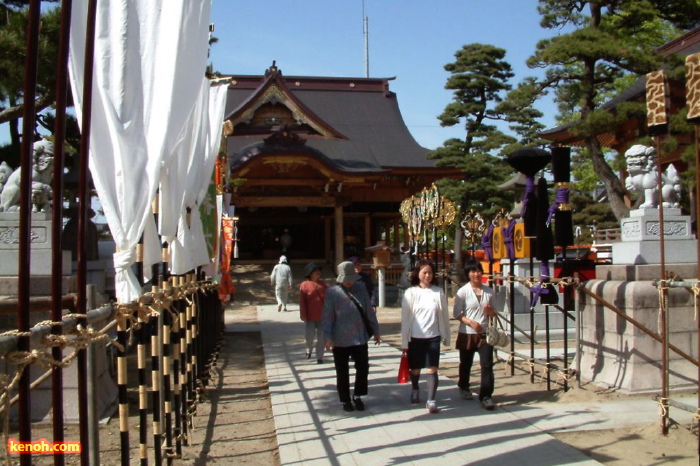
[[496, 336]]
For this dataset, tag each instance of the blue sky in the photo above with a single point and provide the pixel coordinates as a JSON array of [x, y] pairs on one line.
[[410, 40]]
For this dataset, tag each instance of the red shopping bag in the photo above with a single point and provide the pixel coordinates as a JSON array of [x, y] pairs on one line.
[[403, 369]]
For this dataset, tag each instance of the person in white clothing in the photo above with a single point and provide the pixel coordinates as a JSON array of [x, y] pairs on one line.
[[425, 323], [281, 279], [473, 305]]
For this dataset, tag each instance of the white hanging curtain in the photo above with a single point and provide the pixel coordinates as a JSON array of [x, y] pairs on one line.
[[188, 247], [217, 106], [150, 56]]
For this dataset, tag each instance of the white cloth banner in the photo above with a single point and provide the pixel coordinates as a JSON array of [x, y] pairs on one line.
[[189, 248], [150, 56]]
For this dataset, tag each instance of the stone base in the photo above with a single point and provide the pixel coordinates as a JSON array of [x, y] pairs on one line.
[[39, 285], [682, 251], [644, 225], [648, 272], [615, 353], [40, 262]]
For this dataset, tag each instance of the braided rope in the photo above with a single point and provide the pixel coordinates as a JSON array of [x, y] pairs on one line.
[[563, 377], [6, 385], [663, 407], [662, 303], [15, 333], [695, 423], [695, 289]]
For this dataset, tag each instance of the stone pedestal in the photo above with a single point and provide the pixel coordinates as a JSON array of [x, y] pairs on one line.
[[615, 353], [640, 238], [40, 256]]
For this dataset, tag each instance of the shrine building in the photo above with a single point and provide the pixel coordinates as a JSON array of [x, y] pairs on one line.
[[328, 159]]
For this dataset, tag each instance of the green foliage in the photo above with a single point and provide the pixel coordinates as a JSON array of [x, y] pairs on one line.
[[600, 48], [479, 79], [521, 116], [13, 24], [587, 213]]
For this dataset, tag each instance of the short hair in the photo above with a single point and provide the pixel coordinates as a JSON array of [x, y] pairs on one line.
[[415, 280], [473, 266]]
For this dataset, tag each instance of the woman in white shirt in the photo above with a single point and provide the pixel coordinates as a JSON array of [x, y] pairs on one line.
[[473, 305], [425, 322]]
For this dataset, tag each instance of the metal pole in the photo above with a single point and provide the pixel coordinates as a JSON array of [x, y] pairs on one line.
[[57, 223], [83, 206], [511, 310], [532, 320], [183, 362], [547, 349], [697, 234], [155, 385], [143, 391], [123, 390], [177, 371], [93, 415], [663, 318], [189, 379], [25, 221], [167, 364]]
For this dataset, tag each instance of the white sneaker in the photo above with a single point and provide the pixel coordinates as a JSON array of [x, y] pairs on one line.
[[488, 403], [431, 407], [466, 394]]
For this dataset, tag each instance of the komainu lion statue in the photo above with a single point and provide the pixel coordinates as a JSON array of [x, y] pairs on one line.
[[643, 178], [5, 172], [42, 173]]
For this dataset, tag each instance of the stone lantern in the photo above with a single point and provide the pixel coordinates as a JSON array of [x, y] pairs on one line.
[[381, 256]]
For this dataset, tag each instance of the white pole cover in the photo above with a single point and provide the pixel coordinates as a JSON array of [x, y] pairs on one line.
[[150, 56]]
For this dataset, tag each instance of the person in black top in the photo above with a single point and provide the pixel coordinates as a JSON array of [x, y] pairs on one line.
[[366, 280]]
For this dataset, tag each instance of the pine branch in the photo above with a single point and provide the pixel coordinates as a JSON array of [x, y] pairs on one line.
[[17, 111]]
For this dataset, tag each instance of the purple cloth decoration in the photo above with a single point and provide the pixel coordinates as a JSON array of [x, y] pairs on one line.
[[561, 196], [486, 243], [529, 189], [508, 238], [542, 287]]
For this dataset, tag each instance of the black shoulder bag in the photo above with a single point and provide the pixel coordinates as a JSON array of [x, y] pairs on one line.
[[368, 325]]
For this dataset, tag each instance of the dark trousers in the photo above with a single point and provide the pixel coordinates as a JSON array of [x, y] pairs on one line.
[[466, 359], [341, 358]]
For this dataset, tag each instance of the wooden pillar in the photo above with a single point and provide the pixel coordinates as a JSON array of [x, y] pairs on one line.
[[405, 237], [368, 231], [397, 237], [328, 256], [338, 215]]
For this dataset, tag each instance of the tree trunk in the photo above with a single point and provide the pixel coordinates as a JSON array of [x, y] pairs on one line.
[[613, 186]]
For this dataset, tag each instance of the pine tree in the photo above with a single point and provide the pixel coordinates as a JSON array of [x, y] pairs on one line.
[[13, 24], [479, 79], [600, 47]]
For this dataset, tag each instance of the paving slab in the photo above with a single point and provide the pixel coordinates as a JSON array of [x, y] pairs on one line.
[[312, 428]]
